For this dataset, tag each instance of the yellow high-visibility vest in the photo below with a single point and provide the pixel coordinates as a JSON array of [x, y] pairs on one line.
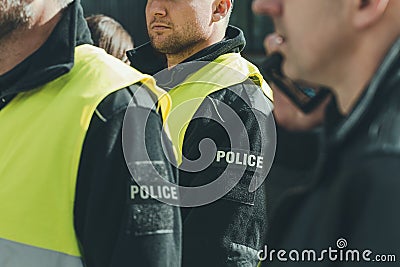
[[41, 138], [227, 70]]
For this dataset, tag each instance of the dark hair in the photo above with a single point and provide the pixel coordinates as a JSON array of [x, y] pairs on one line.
[[110, 35]]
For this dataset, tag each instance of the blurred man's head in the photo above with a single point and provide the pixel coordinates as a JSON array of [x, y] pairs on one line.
[[25, 25], [187, 26], [20, 13], [324, 41]]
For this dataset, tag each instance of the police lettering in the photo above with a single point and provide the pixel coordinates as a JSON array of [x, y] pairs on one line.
[[240, 159], [156, 192]]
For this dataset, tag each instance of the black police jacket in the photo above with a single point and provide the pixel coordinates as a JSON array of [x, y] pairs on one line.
[[107, 221], [227, 232], [348, 212]]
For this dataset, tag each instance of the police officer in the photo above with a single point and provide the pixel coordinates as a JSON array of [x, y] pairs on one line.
[[66, 191], [348, 213], [214, 90]]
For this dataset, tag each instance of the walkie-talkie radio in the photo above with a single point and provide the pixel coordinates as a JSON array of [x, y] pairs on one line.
[[305, 97]]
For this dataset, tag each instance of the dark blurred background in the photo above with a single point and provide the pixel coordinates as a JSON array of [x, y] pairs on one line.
[[130, 13]]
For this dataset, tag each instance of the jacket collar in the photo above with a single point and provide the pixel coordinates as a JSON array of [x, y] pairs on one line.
[[340, 128], [54, 58], [147, 60]]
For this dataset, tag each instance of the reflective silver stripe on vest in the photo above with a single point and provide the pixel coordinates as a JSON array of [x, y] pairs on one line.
[[14, 254]]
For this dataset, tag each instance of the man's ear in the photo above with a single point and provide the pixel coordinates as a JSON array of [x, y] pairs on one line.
[[221, 9], [368, 12]]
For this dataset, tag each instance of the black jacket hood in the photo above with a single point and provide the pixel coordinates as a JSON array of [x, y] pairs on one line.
[[147, 60], [54, 58]]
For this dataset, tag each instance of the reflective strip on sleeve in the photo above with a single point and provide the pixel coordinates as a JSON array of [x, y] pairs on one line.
[[14, 254]]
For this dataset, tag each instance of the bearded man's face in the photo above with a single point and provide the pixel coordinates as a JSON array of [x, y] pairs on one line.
[[14, 14]]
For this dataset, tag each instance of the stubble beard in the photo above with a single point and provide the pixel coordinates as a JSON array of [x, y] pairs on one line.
[[14, 14], [176, 43]]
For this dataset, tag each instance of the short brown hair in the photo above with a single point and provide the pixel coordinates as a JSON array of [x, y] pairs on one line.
[[110, 35]]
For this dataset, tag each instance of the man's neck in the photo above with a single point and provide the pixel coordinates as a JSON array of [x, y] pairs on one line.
[[358, 71], [22, 42], [175, 59]]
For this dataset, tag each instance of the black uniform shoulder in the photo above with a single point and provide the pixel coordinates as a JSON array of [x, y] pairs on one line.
[[383, 131], [244, 97], [135, 95]]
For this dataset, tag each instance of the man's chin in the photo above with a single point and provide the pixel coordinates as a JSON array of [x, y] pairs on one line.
[[306, 79], [161, 47], [158, 48], [158, 42], [289, 71]]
